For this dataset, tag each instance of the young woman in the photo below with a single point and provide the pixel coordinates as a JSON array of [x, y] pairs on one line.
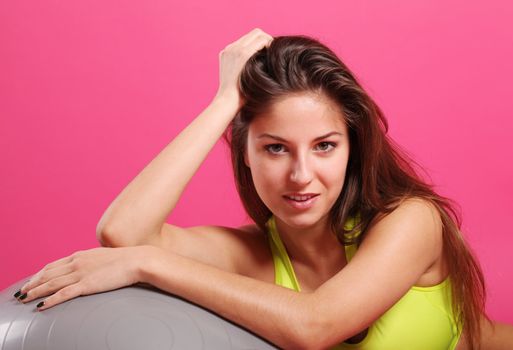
[[350, 248]]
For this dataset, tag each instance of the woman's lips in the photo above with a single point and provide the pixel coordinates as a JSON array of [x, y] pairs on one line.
[[301, 204]]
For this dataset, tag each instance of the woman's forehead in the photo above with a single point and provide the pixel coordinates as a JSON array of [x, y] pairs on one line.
[[305, 114]]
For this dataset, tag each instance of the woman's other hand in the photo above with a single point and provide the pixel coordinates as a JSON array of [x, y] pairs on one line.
[[84, 272], [233, 58]]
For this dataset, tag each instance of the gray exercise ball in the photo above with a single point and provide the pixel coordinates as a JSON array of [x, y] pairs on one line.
[[136, 317]]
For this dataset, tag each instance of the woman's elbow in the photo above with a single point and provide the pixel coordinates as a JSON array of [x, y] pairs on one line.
[[496, 335], [109, 238], [313, 335], [104, 239], [310, 342]]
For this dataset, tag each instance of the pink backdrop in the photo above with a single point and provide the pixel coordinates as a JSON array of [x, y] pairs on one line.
[[91, 91]]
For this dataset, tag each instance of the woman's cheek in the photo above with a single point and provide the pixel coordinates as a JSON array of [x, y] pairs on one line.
[[267, 183], [336, 180]]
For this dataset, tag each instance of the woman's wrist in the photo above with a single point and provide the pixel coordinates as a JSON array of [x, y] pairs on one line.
[[146, 261], [227, 100]]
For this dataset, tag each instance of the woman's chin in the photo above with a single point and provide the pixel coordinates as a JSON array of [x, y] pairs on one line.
[[301, 222]]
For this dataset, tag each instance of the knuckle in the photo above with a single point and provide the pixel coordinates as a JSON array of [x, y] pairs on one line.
[[33, 282], [32, 294], [267, 37], [85, 287], [67, 292], [75, 264], [240, 53], [229, 50], [29, 285], [77, 254], [51, 284], [41, 278], [77, 258]]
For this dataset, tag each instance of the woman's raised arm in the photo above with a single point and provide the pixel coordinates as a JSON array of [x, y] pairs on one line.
[[141, 209]]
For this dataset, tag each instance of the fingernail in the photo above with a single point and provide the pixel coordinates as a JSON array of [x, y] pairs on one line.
[[23, 296], [17, 294], [40, 304]]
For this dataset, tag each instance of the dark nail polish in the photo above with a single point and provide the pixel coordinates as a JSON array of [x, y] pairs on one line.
[[23, 296], [17, 294], [40, 304]]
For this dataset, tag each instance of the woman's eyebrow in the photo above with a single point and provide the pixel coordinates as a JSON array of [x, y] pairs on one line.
[[283, 140]]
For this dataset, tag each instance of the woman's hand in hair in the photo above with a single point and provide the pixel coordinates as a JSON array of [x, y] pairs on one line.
[[233, 58]]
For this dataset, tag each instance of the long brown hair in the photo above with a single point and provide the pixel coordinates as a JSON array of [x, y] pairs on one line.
[[379, 175]]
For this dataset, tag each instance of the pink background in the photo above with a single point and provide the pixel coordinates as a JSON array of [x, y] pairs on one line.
[[91, 91]]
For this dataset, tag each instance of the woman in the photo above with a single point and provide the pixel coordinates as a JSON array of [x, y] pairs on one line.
[[340, 217]]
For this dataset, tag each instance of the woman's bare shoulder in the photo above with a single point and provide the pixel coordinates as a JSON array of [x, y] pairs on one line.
[[416, 217], [406, 207], [247, 236], [242, 250], [411, 211]]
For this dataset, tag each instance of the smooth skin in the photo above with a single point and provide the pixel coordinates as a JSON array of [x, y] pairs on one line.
[[286, 154], [230, 270]]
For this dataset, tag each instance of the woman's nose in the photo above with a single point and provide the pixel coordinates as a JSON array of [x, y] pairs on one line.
[[301, 172]]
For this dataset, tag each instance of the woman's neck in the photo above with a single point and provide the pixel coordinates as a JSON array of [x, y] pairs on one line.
[[315, 247]]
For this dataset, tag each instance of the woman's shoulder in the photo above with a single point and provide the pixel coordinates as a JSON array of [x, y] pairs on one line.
[[411, 209], [234, 249], [416, 222], [245, 236], [413, 217]]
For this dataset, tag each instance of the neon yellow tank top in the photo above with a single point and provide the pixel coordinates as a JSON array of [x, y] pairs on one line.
[[421, 319]]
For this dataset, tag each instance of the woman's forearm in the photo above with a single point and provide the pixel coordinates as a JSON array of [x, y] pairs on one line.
[[278, 314], [142, 207]]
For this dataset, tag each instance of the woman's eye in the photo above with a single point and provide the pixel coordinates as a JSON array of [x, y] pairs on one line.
[[277, 148], [326, 146], [274, 148]]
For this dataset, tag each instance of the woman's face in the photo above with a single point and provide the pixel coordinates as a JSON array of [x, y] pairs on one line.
[[300, 147]]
